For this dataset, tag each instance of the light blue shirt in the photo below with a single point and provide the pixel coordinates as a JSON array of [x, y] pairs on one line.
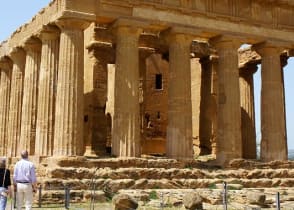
[[24, 171]]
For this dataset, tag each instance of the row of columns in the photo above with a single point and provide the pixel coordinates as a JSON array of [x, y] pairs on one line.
[[37, 115], [47, 120]]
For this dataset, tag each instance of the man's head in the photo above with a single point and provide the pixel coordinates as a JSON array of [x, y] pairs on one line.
[[24, 154], [2, 162]]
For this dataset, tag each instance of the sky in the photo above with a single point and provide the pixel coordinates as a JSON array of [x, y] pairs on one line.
[[15, 13]]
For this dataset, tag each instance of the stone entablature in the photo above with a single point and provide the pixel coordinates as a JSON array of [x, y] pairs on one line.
[[253, 21]]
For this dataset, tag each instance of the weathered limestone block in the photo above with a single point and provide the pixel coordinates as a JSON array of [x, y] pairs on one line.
[[192, 201], [99, 196], [29, 102], [256, 198], [47, 91], [5, 75], [14, 119], [124, 202]]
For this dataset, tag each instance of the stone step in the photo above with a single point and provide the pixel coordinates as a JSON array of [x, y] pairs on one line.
[[115, 163], [118, 184], [161, 173]]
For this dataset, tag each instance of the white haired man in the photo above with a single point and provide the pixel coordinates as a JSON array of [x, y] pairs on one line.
[[24, 179]]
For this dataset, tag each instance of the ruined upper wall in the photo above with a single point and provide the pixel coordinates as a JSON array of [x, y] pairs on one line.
[[252, 21], [34, 26]]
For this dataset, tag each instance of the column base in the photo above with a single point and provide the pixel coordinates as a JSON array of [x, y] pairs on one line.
[[89, 152]]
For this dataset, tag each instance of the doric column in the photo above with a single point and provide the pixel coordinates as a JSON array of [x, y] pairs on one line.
[[96, 60], [14, 118], [273, 133], [195, 101], [29, 102], [214, 87], [205, 124], [143, 55], [5, 75], [47, 91], [229, 144], [284, 61], [126, 119], [179, 129], [247, 111], [68, 132]]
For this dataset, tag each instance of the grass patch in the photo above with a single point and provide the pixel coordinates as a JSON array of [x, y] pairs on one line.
[[212, 186], [153, 195]]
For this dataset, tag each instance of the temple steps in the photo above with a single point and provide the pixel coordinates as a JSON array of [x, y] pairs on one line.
[[109, 176], [162, 173], [137, 173], [115, 163], [118, 184]]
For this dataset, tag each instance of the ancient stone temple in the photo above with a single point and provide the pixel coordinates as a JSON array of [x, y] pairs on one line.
[[126, 78]]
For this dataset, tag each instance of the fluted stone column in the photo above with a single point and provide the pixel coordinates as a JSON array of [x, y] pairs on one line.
[[229, 143], [15, 104], [126, 118], [29, 102], [143, 55], [5, 80], [284, 62], [273, 133], [205, 125], [68, 133], [214, 87], [179, 129], [247, 111], [47, 91], [98, 57]]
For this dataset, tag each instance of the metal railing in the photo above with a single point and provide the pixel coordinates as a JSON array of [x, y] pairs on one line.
[[224, 201]]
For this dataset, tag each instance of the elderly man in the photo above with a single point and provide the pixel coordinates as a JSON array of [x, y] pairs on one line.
[[24, 178]]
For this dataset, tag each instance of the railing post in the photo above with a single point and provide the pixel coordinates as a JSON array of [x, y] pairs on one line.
[[40, 197], [161, 200], [67, 197], [225, 196], [278, 204]]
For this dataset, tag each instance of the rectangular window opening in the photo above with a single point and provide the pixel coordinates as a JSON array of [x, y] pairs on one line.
[[158, 81]]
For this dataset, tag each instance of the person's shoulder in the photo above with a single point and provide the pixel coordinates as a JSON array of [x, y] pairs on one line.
[[31, 163]]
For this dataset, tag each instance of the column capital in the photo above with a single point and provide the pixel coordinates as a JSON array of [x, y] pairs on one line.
[[249, 68], [268, 48], [284, 59], [145, 52], [49, 32], [213, 58], [101, 50], [178, 35], [225, 42], [5, 63], [33, 44], [18, 55], [72, 23], [128, 27], [205, 60]]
